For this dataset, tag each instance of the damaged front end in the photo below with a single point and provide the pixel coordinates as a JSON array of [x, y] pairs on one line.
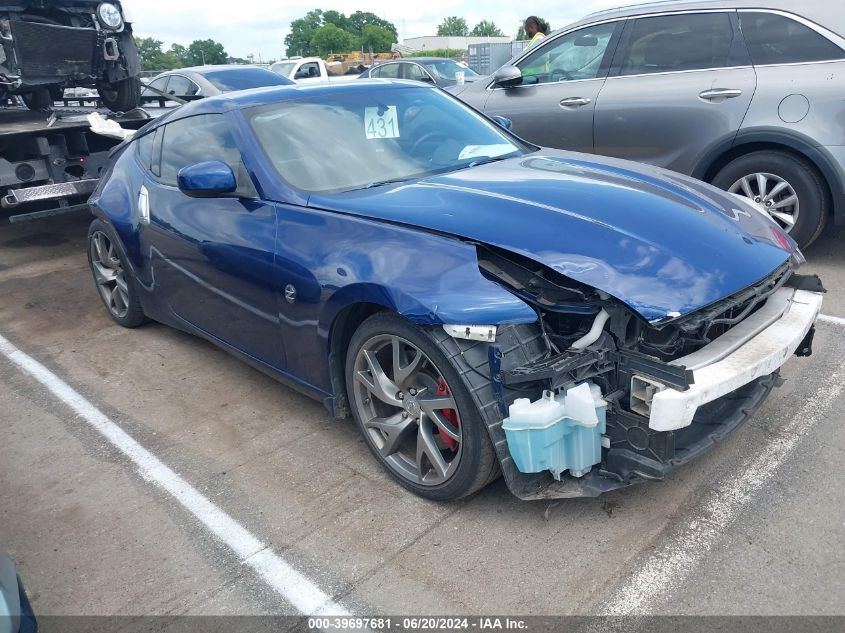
[[65, 44], [663, 392]]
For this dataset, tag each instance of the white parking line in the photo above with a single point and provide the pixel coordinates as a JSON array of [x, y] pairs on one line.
[[831, 319], [666, 568], [295, 588]]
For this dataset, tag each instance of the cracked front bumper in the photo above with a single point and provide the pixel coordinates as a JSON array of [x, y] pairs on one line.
[[756, 347]]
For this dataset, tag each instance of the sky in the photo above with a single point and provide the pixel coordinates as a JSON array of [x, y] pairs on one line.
[[259, 27]]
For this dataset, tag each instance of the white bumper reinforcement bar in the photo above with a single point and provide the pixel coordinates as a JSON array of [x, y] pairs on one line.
[[755, 347]]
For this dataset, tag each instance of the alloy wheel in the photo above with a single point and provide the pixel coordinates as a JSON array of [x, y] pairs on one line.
[[109, 274], [407, 410], [772, 194]]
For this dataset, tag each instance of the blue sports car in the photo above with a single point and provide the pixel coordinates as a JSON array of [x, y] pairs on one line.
[[479, 305]]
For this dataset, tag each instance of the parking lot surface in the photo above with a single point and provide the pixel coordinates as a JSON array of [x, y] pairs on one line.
[[754, 527]]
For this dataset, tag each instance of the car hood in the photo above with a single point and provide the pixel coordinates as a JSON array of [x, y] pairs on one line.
[[664, 244]]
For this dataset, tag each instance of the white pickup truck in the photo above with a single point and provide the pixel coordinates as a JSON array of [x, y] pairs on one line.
[[307, 70]]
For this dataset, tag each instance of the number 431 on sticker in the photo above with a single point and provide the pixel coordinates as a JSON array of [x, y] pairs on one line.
[[381, 122]]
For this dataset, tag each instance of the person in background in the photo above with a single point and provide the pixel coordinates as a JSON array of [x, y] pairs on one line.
[[536, 29]]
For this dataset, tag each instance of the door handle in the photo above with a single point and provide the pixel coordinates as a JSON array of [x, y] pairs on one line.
[[144, 205], [574, 102], [720, 93]]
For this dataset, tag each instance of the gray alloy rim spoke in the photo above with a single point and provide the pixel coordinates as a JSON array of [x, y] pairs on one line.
[[377, 381], [432, 406], [775, 190], [784, 218], [762, 185], [108, 274], [394, 429], [104, 275], [772, 194], [403, 418], [785, 202], [427, 448], [401, 373], [117, 300]]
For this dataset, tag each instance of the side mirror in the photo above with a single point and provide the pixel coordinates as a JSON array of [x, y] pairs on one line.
[[208, 179], [503, 121], [301, 74], [507, 76]]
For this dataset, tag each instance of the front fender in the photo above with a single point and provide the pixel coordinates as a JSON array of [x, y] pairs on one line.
[[429, 279]]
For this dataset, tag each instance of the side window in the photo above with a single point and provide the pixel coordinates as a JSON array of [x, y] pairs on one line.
[[308, 70], [144, 150], [416, 72], [674, 43], [776, 39], [387, 71], [182, 86], [197, 139], [158, 84], [576, 55]]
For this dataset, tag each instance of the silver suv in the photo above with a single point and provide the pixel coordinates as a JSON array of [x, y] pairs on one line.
[[748, 96]]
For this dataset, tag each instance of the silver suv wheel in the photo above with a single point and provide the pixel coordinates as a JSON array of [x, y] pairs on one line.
[[772, 194]]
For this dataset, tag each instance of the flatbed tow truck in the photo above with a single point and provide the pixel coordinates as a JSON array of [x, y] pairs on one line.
[[50, 160]]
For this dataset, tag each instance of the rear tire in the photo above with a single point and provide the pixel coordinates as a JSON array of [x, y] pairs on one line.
[[116, 285], [811, 209], [121, 96], [38, 99]]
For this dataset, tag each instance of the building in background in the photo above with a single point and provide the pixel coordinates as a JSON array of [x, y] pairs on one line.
[[433, 42]]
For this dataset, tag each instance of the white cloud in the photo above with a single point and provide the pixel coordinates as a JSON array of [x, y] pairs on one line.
[[260, 26]]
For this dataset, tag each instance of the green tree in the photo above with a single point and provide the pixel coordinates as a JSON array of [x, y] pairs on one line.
[[181, 53], [486, 28], [302, 30], [453, 25], [358, 20], [338, 19], [331, 39], [454, 53], [153, 57], [202, 52], [376, 39]]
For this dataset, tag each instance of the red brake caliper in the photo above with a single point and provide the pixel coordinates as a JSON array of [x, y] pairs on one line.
[[450, 414]]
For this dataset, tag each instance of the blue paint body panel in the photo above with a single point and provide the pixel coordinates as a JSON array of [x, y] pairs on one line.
[[218, 267]]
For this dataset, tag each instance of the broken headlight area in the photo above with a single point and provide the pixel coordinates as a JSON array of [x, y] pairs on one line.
[[589, 426]]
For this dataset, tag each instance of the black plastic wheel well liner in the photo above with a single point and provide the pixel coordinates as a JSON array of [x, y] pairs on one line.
[[343, 327]]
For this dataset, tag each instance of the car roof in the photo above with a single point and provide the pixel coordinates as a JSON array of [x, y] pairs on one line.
[[241, 99], [422, 60], [825, 13]]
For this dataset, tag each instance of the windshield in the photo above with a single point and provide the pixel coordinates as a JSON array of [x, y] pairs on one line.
[[447, 69], [283, 69], [363, 138], [244, 79]]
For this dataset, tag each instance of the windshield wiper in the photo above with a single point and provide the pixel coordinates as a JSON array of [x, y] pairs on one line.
[[379, 183], [487, 159]]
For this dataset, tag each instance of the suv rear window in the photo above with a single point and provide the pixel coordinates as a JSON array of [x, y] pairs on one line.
[[776, 39], [674, 43]]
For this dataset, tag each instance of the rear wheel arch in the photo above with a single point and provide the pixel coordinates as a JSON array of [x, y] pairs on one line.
[[792, 145]]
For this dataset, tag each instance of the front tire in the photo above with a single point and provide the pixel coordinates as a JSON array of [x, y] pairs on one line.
[[121, 96], [783, 185], [116, 285], [415, 412]]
